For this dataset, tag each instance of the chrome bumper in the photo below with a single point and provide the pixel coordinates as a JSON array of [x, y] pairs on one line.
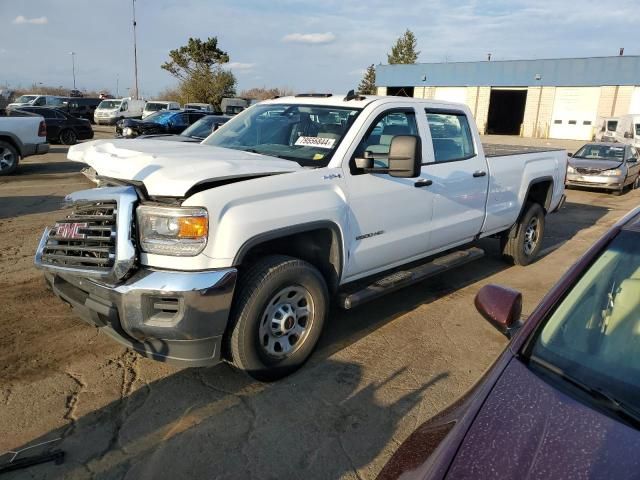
[[168, 316], [595, 181]]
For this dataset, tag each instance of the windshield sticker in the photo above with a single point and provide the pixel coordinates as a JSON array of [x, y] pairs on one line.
[[315, 142], [318, 156]]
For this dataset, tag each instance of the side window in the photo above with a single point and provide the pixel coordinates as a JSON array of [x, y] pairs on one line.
[[451, 136], [60, 115], [180, 120], [124, 107], [377, 141], [40, 101]]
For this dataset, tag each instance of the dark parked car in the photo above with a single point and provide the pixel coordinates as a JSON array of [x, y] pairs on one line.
[[164, 121], [605, 166], [196, 132], [61, 126], [81, 107], [563, 400]]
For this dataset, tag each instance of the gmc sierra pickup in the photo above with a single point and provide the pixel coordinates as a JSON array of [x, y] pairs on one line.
[[232, 249], [20, 137]]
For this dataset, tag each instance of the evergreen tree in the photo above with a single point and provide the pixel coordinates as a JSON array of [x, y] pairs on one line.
[[404, 51], [368, 83]]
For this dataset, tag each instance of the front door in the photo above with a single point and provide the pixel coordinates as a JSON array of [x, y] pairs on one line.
[[389, 217]]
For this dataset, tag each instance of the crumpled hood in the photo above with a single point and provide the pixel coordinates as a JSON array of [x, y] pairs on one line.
[[527, 429], [171, 168], [594, 164]]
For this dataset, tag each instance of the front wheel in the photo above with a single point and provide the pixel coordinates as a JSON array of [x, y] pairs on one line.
[[523, 242], [277, 318]]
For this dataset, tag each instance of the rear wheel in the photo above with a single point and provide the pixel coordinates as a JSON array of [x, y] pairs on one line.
[[277, 317], [68, 137], [9, 158], [523, 242], [636, 183]]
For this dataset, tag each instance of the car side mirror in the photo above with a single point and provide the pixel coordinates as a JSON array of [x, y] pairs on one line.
[[365, 162], [569, 154], [501, 306], [632, 160], [405, 156]]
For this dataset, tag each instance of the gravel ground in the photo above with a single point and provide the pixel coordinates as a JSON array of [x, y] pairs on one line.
[[379, 371]]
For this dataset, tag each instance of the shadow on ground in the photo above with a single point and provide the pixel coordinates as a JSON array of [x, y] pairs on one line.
[[323, 422], [11, 207], [36, 168]]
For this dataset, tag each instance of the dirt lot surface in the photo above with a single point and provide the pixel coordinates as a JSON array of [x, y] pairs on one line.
[[379, 371]]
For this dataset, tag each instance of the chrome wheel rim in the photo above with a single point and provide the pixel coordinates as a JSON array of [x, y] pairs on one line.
[[531, 236], [286, 322], [7, 158]]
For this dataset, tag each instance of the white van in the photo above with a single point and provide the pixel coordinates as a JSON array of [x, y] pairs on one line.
[[606, 129], [203, 107], [35, 100], [628, 130], [111, 110], [154, 106], [233, 106]]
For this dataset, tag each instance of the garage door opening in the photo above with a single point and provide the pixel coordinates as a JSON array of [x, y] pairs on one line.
[[400, 91], [506, 111]]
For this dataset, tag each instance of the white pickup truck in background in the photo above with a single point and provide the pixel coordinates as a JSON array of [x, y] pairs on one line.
[[233, 249], [21, 137]]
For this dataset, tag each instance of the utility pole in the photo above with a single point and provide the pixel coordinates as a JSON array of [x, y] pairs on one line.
[[73, 65], [135, 50], [117, 86]]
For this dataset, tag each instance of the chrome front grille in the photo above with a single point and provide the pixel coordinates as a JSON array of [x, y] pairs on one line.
[[96, 238], [588, 171], [86, 238]]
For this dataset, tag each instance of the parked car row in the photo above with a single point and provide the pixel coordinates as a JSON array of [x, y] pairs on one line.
[[168, 123]]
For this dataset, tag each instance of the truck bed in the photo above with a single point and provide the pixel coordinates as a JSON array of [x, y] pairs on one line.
[[496, 150]]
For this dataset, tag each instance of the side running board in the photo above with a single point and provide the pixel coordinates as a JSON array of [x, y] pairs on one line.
[[403, 278]]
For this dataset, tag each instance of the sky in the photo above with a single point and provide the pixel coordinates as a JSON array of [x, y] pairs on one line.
[[320, 46]]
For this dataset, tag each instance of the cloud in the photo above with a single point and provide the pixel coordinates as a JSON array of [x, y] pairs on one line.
[[240, 66], [19, 20], [311, 38]]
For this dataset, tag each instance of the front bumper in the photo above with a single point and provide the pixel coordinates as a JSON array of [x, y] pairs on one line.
[[105, 120], [176, 317], [595, 181]]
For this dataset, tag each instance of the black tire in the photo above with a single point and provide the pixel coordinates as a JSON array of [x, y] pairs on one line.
[[68, 137], [518, 246], [257, 299], [9, 158], [636, 183]]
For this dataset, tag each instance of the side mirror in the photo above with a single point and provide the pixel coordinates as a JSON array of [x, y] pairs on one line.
[[569, 154], [366, 162], [405, 156], [501, 306], [632, 160]]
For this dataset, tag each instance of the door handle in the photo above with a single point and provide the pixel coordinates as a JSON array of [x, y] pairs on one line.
[[479, 173], [423, 183]]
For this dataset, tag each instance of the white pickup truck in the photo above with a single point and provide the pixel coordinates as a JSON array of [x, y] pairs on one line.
[[232, 249], [19, 138]]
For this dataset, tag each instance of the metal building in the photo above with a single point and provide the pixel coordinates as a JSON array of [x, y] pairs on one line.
[[555, 98]]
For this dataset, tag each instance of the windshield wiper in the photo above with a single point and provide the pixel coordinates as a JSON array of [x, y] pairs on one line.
[[620, 407]]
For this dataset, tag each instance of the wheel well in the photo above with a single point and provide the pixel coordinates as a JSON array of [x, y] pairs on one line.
[[321, 247], [541, 193], [11, 142]]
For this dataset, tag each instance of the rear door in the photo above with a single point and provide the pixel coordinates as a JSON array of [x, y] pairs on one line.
[[460, 178], [388, 217]]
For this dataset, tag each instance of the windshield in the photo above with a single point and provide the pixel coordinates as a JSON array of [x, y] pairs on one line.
[[203, 127], [611, 125], [154, 107], [594, 335], [161, 117], [26, 98], [637, 129], [307, 134], [109, 104], [600, 152]]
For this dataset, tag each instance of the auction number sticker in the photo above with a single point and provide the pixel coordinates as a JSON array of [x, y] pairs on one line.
[[315, 142]]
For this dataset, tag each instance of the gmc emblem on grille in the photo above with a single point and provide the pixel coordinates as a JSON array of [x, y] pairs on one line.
[[70, 230]]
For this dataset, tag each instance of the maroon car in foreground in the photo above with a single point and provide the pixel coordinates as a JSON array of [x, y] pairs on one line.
[[563, 400]]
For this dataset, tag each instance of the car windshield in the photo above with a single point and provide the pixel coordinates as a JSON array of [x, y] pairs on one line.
[[154, 107], [109, 104], [162, 117], [601, 152], [26, 98], [307, 134], [203, 127], [611, 125], [594, 334]]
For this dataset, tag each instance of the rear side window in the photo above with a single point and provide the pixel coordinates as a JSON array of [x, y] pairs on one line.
[[451, 136]]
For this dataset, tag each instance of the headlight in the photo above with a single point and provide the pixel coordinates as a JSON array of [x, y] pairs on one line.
[[127, 131], [180, 232], [612, 173], [570, 169]]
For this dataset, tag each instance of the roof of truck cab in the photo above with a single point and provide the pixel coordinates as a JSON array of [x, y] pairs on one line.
[[338, 100]]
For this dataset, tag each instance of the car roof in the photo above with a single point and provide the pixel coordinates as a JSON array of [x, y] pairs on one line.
[[606, 144], [359, 101]]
